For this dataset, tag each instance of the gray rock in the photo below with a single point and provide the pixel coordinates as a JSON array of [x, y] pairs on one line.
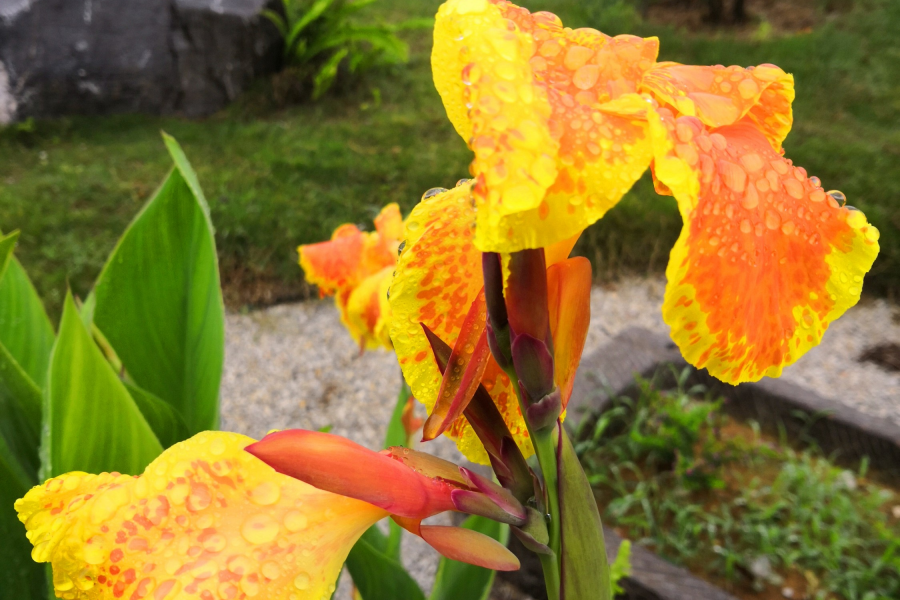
[[159, 56]]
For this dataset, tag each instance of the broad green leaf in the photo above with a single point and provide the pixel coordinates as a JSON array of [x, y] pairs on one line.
[[90, 421], [20, 414], [585, 570], [20, 578], [159, 302], [164, 420], [455, 580], [378, 576], [25, 329]]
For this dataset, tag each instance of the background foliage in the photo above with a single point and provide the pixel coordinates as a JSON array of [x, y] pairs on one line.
[[278, 176]]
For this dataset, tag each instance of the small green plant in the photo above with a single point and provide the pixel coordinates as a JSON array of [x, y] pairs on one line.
[[321, 35], [660, 464]]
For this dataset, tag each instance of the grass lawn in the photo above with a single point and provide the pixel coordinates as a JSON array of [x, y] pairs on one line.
[[279, 177]]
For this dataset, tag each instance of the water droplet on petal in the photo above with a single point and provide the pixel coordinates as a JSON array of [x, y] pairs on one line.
[[259, 529], [301, 581], [433, 192], [838, 196]]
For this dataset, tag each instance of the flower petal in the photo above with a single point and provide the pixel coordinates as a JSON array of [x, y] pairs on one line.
[[468, 546], [438, 278], [389, 225], [205, 519], [766, 259], [540, 107], [334, 265], [569, 291], [332, 463], [469, 359], [720, 96], [367, 313]]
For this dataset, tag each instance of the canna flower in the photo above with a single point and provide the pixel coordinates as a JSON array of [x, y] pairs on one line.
[[208, 520], [355, 267], [562, 123], [439, 283]]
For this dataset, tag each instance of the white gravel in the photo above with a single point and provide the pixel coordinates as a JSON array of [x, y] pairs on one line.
[[295, 366]]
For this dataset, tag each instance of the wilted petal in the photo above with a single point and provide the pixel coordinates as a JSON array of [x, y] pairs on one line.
[[720, 96], [333, 463], [550, 113], [766, 259], [438, 278], [205, 520], [569, 291]]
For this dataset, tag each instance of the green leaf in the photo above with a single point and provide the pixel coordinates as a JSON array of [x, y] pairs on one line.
[[20, 577], [585, 570], [378, 576], [25, 329], [159, 302], [455, 580], [620, 568], [20, 415], [164, 420], [91, 422], [396, 433], [327, 73]]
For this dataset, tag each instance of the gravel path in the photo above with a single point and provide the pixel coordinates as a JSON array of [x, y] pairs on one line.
[[295, 366]]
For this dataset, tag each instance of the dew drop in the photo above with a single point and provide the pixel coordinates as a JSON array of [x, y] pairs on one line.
[[773, 219], [270, 570], [433, 192], [838, 196], [259, 529], [460, 182], [265, 494], [815, 181], [301, 581], [295, 521]]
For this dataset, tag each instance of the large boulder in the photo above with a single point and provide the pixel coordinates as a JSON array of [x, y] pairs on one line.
[[160, 56]]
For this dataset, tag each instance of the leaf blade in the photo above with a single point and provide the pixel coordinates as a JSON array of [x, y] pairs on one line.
[[91, 423], [378, 576], [159, 299]]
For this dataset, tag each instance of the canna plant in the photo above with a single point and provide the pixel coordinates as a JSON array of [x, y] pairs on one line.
[[488, 317]]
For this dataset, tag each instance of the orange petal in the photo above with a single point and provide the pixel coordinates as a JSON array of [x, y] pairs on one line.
[[205, 520], [438, 277], [550, 113], [334, 265], [558, 252], [766, 259], [332, 463], [468, 361], [721, 96], [367, 313], [569, 295], [468, 546], [389, 225]]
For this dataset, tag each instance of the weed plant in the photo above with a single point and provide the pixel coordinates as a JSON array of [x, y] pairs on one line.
[[676, 474]]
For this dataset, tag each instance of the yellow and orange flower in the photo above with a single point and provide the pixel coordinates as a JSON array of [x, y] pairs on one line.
[[356, 268], [562, 123], [209, 520], [439, 283]]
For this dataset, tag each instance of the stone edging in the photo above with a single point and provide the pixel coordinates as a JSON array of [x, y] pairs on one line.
[[846, 434], [842, 432]]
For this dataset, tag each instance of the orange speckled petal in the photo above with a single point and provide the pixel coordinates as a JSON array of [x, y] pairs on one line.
[[438, 277], [721, 96], [542, 108], [766, 259], [205, 520], [467, 363], [334, 264], [367, 314], [569, 303]]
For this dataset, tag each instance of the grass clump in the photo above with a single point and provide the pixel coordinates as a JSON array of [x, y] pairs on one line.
[[674, 473]]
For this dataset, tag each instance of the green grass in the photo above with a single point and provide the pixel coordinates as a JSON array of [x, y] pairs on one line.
[[279, 177], [677, 475]]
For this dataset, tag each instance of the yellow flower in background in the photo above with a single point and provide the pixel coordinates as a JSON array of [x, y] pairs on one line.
[[355, 267], [562, 122], [205, 520]]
